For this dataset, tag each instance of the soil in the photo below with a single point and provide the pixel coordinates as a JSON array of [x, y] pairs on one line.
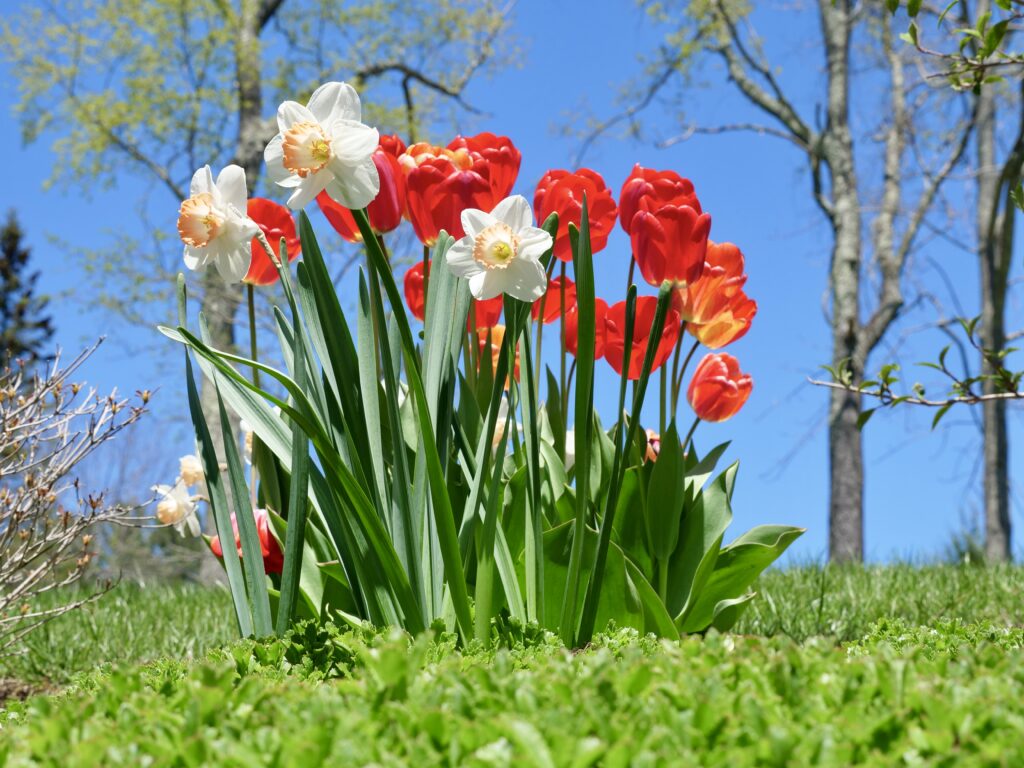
[[17, 690]]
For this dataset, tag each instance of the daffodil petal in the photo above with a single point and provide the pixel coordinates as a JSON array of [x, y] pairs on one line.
[[195, 259], [231, 183], [524, 279], [460, 259], [202, 181], [533, 243], [352, 142], [273, 155], [354, 187], [290, 113], [475, 221], [335, 101], [515, 212], [308, 188], [482, 288]]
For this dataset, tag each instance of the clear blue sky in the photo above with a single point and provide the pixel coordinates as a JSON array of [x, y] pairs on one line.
[[580, 54]]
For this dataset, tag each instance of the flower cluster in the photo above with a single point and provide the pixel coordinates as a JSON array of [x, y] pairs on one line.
[[177, 504]]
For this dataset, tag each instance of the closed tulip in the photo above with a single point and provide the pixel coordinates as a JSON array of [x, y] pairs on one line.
[[385, 211], [562, 192], [414, 294], [649, 190], [670, 244], [615, 341], [276, 222], [273, 557], [718, 389], [572, 329], [551, 302]]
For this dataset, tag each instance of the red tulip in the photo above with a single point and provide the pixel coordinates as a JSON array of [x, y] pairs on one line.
[[649, 190], [718, 389], [615, 343], [562, 192], [276, 222], [501, 156], [572, 329], [413, 285], [670, 244], [472, 172], [484, 314], [273, 557], [386, 210], [552, 300]]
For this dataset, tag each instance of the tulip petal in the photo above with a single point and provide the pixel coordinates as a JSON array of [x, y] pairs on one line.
[[290, 113], [352, 142], [231, 183], [335, 101], [515, 212], [355, 187]]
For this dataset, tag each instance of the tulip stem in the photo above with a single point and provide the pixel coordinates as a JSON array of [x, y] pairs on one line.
[[662, 397], [426, 275], [632, 268], [689, 435], [562, 379], [677, 383], [540, 319]]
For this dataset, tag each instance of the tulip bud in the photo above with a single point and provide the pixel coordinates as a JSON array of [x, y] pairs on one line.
[[718, 389]]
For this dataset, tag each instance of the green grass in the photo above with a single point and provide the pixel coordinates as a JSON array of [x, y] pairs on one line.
[[877, 666], [129, 624]]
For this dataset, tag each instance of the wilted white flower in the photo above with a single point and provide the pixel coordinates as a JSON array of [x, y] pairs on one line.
[[324, 145], [501, 252], [213, 224], [190, 469], [570, 449], [177, 507], [247, 440]]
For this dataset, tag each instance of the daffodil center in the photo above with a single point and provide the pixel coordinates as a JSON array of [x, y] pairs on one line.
[[199, 221], [495, 247], [306, 148]]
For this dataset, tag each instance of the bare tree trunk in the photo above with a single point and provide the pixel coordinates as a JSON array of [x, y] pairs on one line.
[[992, 330], [846, 459], [220, 299]]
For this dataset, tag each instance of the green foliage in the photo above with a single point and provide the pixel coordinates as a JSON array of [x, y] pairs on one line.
[[902, 694], [25, 326]]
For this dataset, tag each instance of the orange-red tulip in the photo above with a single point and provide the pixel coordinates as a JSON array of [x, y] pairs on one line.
[[276, 222], [273, 557], [670, 244], [413, 285], [386, 210], [615, 342], [649, 190], [730, 324], [491, 339], [722, 279], [471, 172], [718, 389], [562, 192], [572, 329], [552, 300], [484, 314]]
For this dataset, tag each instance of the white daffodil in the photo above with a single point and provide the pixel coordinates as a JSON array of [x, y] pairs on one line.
[[177, 507], [190, 469], [501, 252], [247, 435], [213, 225], [324, 145], [570, 449]]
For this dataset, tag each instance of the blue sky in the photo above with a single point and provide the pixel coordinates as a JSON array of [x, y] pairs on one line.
[[576, 58]]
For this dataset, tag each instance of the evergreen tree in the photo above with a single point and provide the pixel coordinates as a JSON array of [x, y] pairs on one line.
[[25, 326]]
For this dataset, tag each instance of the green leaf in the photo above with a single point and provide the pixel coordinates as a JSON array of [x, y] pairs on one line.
[[667, 491], [738, 565], [728, 612]]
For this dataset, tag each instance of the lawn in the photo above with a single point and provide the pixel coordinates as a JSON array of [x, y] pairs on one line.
[[877, 666]]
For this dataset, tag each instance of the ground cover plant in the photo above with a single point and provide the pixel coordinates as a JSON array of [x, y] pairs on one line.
[[900, 693]]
